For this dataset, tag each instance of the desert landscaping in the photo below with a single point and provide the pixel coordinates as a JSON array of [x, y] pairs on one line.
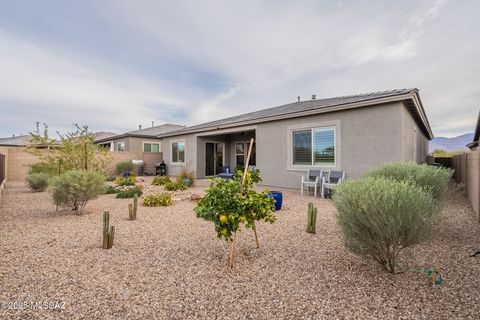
[[169, 264]]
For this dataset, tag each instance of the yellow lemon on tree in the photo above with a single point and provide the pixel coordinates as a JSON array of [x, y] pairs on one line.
[[242, 218], [223, 218]]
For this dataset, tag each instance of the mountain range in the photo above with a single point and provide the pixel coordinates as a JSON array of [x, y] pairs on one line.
[[451, 144]]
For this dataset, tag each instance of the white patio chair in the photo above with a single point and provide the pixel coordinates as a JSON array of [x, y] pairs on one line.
[[332, 180], [313, 179]]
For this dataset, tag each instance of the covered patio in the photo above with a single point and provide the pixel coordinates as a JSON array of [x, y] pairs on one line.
[[218, 151]]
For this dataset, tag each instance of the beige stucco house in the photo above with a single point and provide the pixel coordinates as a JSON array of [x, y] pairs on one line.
[[351, 133], [142, 140]]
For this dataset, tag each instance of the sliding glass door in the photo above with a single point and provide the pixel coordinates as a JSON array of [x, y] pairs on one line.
[[214, 153]]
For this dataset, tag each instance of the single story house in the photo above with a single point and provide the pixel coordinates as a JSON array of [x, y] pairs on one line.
[[142, 140], [352, 133], [476, 136]]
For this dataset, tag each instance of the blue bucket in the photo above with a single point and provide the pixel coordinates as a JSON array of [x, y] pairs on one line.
[[277, 195]]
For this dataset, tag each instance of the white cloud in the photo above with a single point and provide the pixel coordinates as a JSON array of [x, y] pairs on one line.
[[226, 58]]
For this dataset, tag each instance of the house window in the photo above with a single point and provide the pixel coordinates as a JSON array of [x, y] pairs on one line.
[[121, 146], [151, 147], [241, 152], [314, 146], [178, 152]]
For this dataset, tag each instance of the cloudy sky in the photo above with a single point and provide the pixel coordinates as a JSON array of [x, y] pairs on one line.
[[116, 64]]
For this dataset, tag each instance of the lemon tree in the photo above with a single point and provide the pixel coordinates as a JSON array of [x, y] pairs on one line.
[[229, 204]]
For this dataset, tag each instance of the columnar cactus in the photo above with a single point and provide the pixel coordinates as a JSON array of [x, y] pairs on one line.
[[132, 208], [108, 231], [312, 218]]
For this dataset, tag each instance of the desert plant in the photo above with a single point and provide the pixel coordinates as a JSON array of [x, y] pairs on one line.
[[76, 188], [38, 181], [430, 178], [41, 167], [124, 166], [157, 199], [111, 190], [311, 218], [175, 186], [160, 180], [130, 193], [186, 176], [110, 178], [121, 181], [75, 151], [380, 217], [108, 231], [132, 208]]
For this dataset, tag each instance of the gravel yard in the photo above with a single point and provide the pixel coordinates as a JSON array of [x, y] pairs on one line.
[[168, 264]]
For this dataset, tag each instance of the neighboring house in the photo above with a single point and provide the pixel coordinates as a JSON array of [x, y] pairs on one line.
[[352, 133], [474, 144], [142, 140], [15, 141]]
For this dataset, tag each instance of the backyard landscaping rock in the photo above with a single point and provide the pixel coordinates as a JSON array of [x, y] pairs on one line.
[[168, 264]]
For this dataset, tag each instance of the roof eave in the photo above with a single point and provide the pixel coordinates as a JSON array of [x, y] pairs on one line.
[[344, 106]]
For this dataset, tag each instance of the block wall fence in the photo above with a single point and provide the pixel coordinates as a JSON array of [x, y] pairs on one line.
[[467, 173]]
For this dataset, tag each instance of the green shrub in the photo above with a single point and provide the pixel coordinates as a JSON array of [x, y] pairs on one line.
[[186, 174], [175, 186], [124, 166], [157, 199], [430, 178], [110, 178], [229, 204], [76, 188], [45, 168], [160, 180], [111, 190], [380, 217], [121, 181], [130, 193], [38, 181]]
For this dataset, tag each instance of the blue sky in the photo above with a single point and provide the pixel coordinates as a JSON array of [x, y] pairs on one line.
[[116, 64]]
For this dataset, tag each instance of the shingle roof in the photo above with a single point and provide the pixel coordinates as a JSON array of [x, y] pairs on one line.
[[296, 108], [18, 141], [150, 132], [476, 135]]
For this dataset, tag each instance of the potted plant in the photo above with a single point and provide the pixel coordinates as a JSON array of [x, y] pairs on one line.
[[187, 177], [124, 168]]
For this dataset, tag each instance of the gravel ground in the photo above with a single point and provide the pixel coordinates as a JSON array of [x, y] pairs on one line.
[[168, 264]]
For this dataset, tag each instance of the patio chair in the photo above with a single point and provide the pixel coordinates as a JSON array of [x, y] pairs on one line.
[[332, 180], [313, 179]]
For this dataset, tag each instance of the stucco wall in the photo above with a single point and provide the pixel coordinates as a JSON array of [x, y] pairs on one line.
[[135, 144], [413, 138], [367, 137], [467, 172], [190, 154]]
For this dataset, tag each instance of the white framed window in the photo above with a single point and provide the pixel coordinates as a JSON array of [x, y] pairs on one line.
[[314, 147], [151, 147], [241, 153], [121, 146], [178, 152]]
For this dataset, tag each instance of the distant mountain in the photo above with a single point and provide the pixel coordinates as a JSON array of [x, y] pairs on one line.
[[451, 144]]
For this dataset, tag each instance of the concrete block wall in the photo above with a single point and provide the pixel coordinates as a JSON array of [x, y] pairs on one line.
[[467, 172], [18, 161]]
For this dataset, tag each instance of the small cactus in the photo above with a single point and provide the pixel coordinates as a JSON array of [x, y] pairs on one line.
[[312, 218], [132, 209], [108, 231]]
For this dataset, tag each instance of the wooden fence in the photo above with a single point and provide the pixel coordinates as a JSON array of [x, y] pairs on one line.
[[467, 173]]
